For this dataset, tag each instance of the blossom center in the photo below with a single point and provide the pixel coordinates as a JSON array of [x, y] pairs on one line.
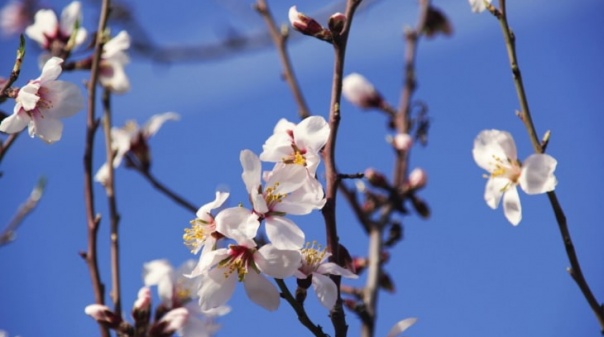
[[507, 168], [272, 196], [198, 233], [240, 259], [312, 257], [297, 157]]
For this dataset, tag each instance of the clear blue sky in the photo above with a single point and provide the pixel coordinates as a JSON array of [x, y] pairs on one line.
[[464, 272]]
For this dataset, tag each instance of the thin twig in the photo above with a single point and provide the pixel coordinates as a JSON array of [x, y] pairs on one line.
[[299, 309], [162, 188], [575, 268], [114, 217], [340, 39], [91, 127], [8, 234], [14, 75], [279, 38], [7, 144]]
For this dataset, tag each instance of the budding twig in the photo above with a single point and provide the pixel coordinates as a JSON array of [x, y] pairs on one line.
[[8, 234], [539, 147], [279, 38]]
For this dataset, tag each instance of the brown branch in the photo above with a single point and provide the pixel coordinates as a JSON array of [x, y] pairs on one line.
[[91, 126], [299, 309], [8, 234], [575, 267], [279, 38], [402, 119], [340, 39], [161, 187], [114, 216], [14, 75], [7, 144]]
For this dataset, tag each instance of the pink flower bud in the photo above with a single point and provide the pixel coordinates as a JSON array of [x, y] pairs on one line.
[[376, 178], [102, 314], [360, 92], [417, 178], [402, 142], [143, 302], [304, 24]]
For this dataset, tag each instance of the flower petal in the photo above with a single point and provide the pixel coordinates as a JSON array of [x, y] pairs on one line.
[[66, 98], [156, 121], [326, 290], [216, 289], [538, 174], [239, 224], [492, 145], [284, 233], [401, 326], [494, 190], [311, 133], [261, 291], [277, 263], [251, 170], [14, 123], [511, 206], [51, 70], [48, 129], [334, 269]]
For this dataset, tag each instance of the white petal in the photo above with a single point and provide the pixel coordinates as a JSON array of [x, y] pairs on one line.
[[261, 291], [156, 121], [237, 223], [401, 326], [277, 263], [44, 25], [70, 15], [251, 170], [289, 178], [51, 70], [494, 190], [334, 269], [511, 206], [493, 144], [283, 233], [538, 174], [47, 128], [27, 98], [216, 289], [66, 99], [14, 123], [118, 44], [308, 197], [102, 174], [312, 133], [113, 76], [326, 290]]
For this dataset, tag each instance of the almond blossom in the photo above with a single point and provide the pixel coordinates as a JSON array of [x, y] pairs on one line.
[[315, 266], [283, 193], [15, 17], [41, 103], [134, 139], [360, 92], [48, 30], [113, 60], [244, 262], [495, 151]]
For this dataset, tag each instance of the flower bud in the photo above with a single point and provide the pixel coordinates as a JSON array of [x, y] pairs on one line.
[[386, 283], [360, 92], [437, 22], [336, 22], [376, 179], [402, 142], [307, 25], [102, 314], [417, 178]]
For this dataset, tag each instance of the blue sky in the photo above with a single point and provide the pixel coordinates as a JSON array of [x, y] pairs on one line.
[[464, 272]]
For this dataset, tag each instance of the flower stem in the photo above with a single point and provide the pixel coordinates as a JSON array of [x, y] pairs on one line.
[[280, 40], [93, 219], [575, 268], [299, 309]]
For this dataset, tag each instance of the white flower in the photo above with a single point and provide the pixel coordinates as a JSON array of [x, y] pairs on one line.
[[315, 265], [401, 326], [203, 228], [42, 102], [360, 92], [133, 139], [113, 60], [285, 192], [297, 144], [244, 263], [479, 5], [46, 28], [495, 151]]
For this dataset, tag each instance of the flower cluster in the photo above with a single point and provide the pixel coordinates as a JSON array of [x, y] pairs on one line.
[[290, 188]]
